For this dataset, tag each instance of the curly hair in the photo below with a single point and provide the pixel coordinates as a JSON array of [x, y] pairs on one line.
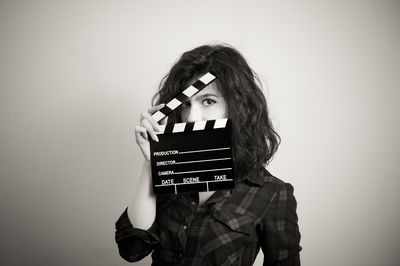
[[254, 140]]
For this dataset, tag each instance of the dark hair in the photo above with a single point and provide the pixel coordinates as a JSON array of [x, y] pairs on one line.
[[253, 137]]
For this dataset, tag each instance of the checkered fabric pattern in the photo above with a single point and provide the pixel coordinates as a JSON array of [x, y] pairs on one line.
[[228, 229]]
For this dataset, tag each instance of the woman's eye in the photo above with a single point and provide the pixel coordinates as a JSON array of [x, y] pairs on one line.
[[208, 102]]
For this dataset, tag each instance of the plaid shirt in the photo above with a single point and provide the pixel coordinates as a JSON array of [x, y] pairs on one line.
[[228, 229]]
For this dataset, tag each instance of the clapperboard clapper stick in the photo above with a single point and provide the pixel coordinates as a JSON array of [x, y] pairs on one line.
[[200, 84], [192, 157]]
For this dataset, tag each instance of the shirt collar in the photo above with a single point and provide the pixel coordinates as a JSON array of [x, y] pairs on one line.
[[219, 195], [256, 178]]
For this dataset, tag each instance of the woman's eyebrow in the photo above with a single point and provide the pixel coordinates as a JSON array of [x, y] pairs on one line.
[[207, 95], [202, 96]]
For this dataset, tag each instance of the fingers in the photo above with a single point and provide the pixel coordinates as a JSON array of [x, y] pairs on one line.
[[148, 125], [150, 129], [142, 132], [147, 117]]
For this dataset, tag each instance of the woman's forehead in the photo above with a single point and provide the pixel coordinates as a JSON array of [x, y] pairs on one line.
[[210, 89]]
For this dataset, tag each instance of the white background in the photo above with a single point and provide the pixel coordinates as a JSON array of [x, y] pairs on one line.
[[75, 75]]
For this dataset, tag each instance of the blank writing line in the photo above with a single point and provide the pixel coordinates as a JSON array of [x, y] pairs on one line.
[[198, 161], [209, 170], [182, 152]]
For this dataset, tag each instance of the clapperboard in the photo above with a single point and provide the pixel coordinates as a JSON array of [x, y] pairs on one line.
[[191, 157]]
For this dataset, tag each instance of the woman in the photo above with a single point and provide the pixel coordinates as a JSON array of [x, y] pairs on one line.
[[225, 227]]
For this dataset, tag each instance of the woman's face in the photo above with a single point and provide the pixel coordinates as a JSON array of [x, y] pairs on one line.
[[208, 104]]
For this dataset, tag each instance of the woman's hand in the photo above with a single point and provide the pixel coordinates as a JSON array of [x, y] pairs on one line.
[[148, 127]]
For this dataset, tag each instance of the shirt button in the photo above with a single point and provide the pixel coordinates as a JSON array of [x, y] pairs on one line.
[[193, 203], [180, 255], [184, 227], [227, 194]]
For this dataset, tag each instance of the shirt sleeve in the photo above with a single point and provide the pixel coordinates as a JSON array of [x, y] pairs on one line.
[[279, 231], [133, 243]]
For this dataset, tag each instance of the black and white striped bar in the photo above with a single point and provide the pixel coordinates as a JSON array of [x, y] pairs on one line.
[[200, 84], [193, 157]]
